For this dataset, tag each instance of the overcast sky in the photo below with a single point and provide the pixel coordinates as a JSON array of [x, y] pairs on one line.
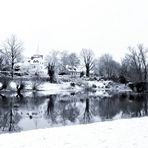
[[105, 26]]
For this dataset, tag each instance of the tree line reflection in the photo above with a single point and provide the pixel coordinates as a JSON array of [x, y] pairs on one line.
[[67, 109]]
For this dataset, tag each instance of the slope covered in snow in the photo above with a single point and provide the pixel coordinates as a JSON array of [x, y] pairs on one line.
[[127, 133]]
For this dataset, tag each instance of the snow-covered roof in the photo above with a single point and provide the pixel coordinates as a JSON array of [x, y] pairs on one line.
[[73, 68], [37, 56]]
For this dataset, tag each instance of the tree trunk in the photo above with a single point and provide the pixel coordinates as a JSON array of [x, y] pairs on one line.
[[51, 77], [11, 119], [87, 114], [51, 73], [87, 70], [12, 68], [18, 91], [145, 74]]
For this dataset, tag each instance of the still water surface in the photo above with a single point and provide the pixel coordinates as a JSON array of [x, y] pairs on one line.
[[36, 110]]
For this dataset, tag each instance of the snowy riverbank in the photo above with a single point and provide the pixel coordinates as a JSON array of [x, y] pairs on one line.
[[125, 133]]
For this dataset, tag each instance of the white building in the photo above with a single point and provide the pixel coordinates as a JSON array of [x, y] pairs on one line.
[[71, 71], [33, 65], [36, 64]]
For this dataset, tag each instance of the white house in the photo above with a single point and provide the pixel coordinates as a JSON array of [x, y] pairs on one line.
[[33, 65], [36, 64], [72, 71]]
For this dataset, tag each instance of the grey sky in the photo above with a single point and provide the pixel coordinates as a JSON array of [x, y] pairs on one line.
[[102, 25]]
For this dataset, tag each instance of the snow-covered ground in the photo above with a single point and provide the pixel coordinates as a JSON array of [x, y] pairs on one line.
[[99, 86], [46, 87], [125, 133], [108, 85]]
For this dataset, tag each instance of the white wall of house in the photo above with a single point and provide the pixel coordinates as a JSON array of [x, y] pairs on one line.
[[37, 65]]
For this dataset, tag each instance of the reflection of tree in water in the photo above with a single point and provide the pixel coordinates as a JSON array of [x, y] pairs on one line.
[[109, 107], [124, 105], [69, 109], [9, 118], [14, 108], [133, 105], [20, 99], [66, 109], [127, 105], [87, 112], [77, 108], [3, 100], [70, 112], [139, 105], [50, 108], [35, 106], [35, 100], [91, 109], [145, 106]]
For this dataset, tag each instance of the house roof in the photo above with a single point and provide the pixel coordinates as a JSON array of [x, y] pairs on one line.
[[37, 56]]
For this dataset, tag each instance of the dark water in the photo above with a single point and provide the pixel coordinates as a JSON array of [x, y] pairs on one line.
[[36, 110]]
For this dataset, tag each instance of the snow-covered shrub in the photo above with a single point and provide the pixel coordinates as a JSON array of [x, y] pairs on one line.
[[12, 85]]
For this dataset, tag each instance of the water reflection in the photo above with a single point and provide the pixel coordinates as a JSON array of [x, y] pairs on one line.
[[50, 108], [33, 111], [9, 117]]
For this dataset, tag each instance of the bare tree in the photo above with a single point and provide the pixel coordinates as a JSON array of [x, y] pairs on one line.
[[52, 65], [51, 72], [68, 60], [107, 66], [87, 113], [74, 61], [88, 58], [135, 63], [64, 59], [1, 62], [142, 53], [12, 51]]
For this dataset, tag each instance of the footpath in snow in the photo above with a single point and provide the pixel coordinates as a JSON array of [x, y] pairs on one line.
[[125, 133]]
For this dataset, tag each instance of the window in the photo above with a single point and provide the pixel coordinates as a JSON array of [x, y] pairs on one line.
[[35, 61]]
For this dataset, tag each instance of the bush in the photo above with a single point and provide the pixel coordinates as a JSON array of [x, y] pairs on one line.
[[72, 84], [94, 86], [63, 73], [122, 79], [82, 74], [131, 86]]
